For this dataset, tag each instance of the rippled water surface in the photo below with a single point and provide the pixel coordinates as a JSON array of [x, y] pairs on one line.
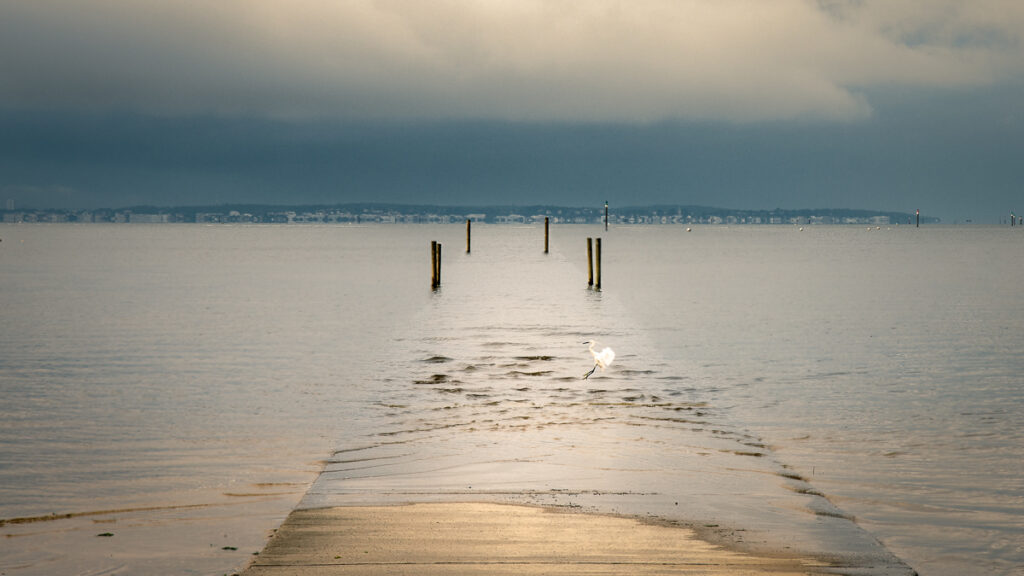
[[813, 392]]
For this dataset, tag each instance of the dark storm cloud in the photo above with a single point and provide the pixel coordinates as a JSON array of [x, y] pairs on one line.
[[840, 103], [955, 157]]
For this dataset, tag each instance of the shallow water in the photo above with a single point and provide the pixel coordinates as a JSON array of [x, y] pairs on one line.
[[210, 368], [756, 368], [884, 365]]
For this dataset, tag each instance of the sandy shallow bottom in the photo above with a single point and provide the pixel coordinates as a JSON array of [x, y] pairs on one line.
[[196, 539], [474, 538]]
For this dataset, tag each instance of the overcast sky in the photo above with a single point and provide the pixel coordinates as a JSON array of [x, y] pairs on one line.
[[889, 105]]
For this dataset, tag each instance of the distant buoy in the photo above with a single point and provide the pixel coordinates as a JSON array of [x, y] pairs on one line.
[[688, 229], [801, 228]]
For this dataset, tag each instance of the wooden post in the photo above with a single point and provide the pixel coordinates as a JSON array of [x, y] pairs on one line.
[[918, 225], [433, 263], [605, 219], [545, 234], [598, 286], [467, 235], [590, 262], [438, 264]]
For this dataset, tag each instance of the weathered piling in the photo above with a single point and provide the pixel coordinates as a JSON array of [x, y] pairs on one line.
[[590, 262], [918, 224], [545, 234], [433, 263], [605, 219], [598, 285], [467, 235]]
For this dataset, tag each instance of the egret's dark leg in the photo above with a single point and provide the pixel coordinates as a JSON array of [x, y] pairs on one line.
[[587, 375]]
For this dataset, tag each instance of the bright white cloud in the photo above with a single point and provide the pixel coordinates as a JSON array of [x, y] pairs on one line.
[[535, 60]]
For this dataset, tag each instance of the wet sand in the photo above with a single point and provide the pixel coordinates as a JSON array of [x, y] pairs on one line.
[[211, 539], [474, 538]]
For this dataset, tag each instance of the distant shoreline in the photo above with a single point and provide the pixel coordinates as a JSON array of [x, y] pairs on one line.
[[366, 213]]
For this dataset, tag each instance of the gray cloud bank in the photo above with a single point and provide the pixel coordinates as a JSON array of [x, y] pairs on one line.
[[524, 60], [953, 156]]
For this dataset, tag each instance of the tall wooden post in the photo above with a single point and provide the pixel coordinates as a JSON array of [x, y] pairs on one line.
[[467, 235], [433, 263], [918, 225], [545, 234], [598, 286], [590, 262], [605, 219], [438, 264]]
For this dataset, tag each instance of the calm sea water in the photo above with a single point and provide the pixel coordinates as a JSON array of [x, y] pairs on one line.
[[887, 366], [818, 390]]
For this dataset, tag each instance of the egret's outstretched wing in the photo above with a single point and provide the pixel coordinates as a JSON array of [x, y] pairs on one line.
[[602, 359]]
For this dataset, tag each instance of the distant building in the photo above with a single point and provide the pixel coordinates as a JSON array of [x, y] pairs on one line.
[[209, 217], [511, 219], [149, 218]]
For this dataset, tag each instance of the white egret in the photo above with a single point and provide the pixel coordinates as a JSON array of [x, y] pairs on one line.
[[602, 359]]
